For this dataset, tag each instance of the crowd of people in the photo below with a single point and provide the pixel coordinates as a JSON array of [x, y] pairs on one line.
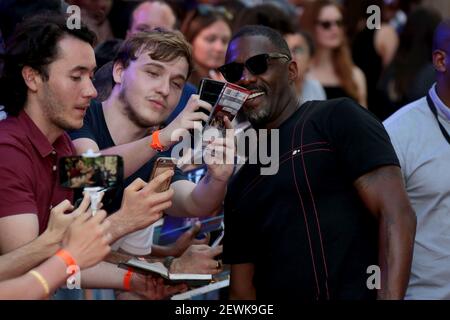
[[362, 118]]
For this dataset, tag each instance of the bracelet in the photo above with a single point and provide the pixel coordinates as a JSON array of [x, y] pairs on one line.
[[41, 280], [168, 262], [127, 279], [156, 144], [66, 257]]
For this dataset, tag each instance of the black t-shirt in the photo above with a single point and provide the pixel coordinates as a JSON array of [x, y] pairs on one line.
[[95, 128], [305, 229]]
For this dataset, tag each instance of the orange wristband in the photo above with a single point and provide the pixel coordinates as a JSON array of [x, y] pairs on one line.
[[127, 279], [66, 257], [156, 144]]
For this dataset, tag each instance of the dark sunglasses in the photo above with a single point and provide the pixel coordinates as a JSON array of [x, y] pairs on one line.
[[257, 65], [327, 24]]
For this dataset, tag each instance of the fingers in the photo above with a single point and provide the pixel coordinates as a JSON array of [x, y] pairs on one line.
[[197, 250], [224, 143], [108, 238], [173, 289], [161, 207], [199, 116], [161, 197], [195, 103], [62, 207], [215, 251], [205, 240], [158, 180], [83, 216], [218, 268], [160, 288], [227, 122], [99, 217], [84, 205], [136, 185], [194, 230]]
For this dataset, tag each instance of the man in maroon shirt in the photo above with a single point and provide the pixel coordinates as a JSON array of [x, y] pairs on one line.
[[46, 89]]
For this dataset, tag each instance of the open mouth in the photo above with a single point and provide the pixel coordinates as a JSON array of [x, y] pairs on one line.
[[255, 95]]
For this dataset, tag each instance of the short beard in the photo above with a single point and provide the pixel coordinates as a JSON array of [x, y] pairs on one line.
[[52, 109], [259, 118], [131, 113]]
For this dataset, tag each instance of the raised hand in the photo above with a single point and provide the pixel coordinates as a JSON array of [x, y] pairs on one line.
[[198, 259], [88, 239], [142, 205]]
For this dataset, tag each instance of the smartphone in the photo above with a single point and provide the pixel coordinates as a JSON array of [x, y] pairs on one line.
[[161, 165], [229, 102], [81, 172], [209, 91]]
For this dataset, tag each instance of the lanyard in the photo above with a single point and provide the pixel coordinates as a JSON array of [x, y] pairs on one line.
[[434, 111]]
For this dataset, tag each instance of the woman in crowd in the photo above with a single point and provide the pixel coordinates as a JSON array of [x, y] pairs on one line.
[[207, 28], [332, 64]]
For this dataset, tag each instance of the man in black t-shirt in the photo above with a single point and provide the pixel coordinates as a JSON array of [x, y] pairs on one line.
[[337, 205]]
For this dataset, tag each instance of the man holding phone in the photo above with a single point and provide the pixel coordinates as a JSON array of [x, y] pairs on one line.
[[149, 73], [46, 89]]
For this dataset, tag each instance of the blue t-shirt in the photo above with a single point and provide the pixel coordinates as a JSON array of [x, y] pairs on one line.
[[95, 128]]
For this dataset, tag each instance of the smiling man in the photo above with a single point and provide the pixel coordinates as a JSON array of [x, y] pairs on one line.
[[337, 204]]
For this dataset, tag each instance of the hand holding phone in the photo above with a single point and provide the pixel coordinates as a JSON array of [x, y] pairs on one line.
[[162, 165]]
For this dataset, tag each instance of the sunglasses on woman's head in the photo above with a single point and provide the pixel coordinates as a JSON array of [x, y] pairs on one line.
[[232, 72], [327, 24], [207, 9]]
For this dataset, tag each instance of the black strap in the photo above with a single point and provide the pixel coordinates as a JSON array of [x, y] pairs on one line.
[[434, 111]]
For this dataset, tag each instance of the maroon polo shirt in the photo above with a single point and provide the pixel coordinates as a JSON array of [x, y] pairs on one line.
[[29, 181]]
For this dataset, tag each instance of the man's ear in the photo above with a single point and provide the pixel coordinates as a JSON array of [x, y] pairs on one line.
[[118, 70], [440, 61], [31, 77], [293, 71]]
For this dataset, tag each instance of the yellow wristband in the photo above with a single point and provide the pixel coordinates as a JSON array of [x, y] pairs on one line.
[[41, 280]]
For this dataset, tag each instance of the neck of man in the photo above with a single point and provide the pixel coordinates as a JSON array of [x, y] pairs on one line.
[[121, 128], [291, 106], [443, 91], [41, 120]]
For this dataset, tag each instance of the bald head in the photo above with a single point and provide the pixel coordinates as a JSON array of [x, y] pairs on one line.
[[150, 15], [441, 40]]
